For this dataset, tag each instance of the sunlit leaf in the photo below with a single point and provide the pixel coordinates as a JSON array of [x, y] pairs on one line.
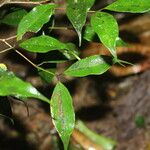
[[106, 27], [62, 113], [91, 65], [133, 6], [77, 12], [14, 86], [14, 17], [44, 43], [35, 19]]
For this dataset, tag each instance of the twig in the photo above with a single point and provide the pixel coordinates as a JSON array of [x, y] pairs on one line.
[[10, 38], [34, 65], [8, 2], [5, 50]]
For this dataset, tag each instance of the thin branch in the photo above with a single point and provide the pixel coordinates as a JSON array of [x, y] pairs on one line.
[[34, 65], [8, 2], [6, 50], [76, 56], [60, 28], [10, 38]]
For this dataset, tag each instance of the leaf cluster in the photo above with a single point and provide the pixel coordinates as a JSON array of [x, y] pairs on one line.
[[103, 24]]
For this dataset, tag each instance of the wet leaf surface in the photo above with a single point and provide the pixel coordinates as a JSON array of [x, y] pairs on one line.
[[13, 86], [35, 19], [77, 13], [107, 30], [95, 65], [133, 6], [62, 113], [44, 43]]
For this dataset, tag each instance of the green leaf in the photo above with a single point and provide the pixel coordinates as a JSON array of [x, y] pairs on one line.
[[62, 113], [133, 6], [44, 43], [14, 18], [35, 19], [77, 13], [46, 76], [89, 33], [91, 65], [106, 143], [106, 27], [14, 86]]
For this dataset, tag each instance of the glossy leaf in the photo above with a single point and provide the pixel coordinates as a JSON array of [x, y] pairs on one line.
[[35, 19], [90, 34], [62, 113], [14, 18], [14, 86], [95, 65], [106, 28], [133, 6], [44, 43], [77, 13]]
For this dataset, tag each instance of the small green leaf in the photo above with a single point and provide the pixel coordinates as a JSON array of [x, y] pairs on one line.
[[91, 65], [77, 12], [62, 113], [106, 27], [44, 43], [46, 76], [35, 19], [13, 86], [89, 33], [14, 18], [133, 6]]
